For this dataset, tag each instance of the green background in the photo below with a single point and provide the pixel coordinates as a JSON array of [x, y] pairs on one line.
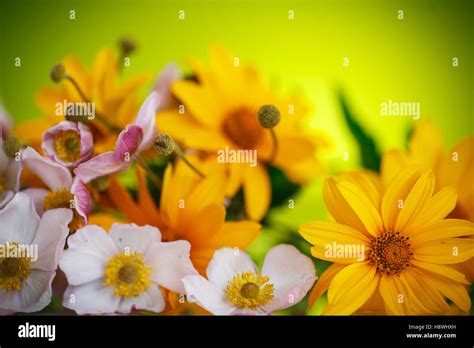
[[407, 60]]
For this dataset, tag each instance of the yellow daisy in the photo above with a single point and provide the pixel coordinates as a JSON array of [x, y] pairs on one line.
[[220, 112], [392, 247], [114, 101], [454, 168]]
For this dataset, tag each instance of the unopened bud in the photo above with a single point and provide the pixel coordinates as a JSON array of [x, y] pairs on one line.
[[268, 116], [58, 73], [127, 46], [164, 144], [11, 146]]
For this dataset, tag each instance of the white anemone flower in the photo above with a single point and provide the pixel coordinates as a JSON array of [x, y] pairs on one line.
[[235, 287], [122, 270]]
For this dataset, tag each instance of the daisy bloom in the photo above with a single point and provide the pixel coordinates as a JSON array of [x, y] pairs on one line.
[[219, 115], [191, 208], [407, 246], [64, 190], [235, 287], [135, 138], [122, 270], [115, 101], [31, 247], [454, 167], [68, 143], [10, 169]]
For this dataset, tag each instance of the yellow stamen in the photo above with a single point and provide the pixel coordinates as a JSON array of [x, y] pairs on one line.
[[68, 145], [62, 198], [14, 270], [249, 290], [128, 274], [390, 252]]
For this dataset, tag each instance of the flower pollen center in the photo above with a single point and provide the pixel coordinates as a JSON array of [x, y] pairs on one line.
[[128, 275], [391, 253], [249, 290], [63, 198], [67, 145], [14, 270]]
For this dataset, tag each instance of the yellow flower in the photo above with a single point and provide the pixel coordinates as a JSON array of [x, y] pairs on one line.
[[116, 102], [220, 112], [391, 247], [454, 168], [190, 209]]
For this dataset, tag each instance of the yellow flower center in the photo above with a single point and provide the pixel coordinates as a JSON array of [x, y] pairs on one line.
[[128, 274], [242, 128], [14, 270], [390, 252], [63, 198], [68, 145], [249, 290]]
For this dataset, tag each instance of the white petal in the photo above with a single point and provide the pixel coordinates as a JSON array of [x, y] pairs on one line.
[[37, 195], [34, 295], [133, 238], [207, 295], [51, 236], [54, 175], [91, 298], [170, 262], [291, 273], [18, 220], [89, 250], [226, 264], [151, 300]]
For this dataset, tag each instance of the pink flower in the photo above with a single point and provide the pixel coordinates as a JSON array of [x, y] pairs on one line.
[[135, 138], [65, 192], [234, 286], [122, 270], [5, 122], [163, 83], [10, 172], [68, 143], [31, 250]]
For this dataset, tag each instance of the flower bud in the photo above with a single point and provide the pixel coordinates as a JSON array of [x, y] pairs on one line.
[[268, 116], [164, 144]]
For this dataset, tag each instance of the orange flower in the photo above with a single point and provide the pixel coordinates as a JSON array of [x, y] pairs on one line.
[[114, 101], [190, 209], [221, 113]]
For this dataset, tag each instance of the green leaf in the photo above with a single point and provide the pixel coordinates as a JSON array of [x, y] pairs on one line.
[[370, 156]]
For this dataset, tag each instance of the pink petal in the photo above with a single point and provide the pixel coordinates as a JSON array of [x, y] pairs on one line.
[[291, 273], [18, 220], [151, 300], [101, 165], [168, 75], [82, 198], [170, 262], [89, 251], [226, 264], [146, 120], [133, 238], [128, 143], [37, 195], [207, 295], [54, 175], [91, 298], [51, 236], [34, 295]]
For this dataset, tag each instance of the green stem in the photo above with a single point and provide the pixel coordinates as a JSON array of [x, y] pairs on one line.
[[155, 179]]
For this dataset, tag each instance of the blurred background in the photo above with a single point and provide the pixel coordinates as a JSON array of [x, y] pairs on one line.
[[407, 59]]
